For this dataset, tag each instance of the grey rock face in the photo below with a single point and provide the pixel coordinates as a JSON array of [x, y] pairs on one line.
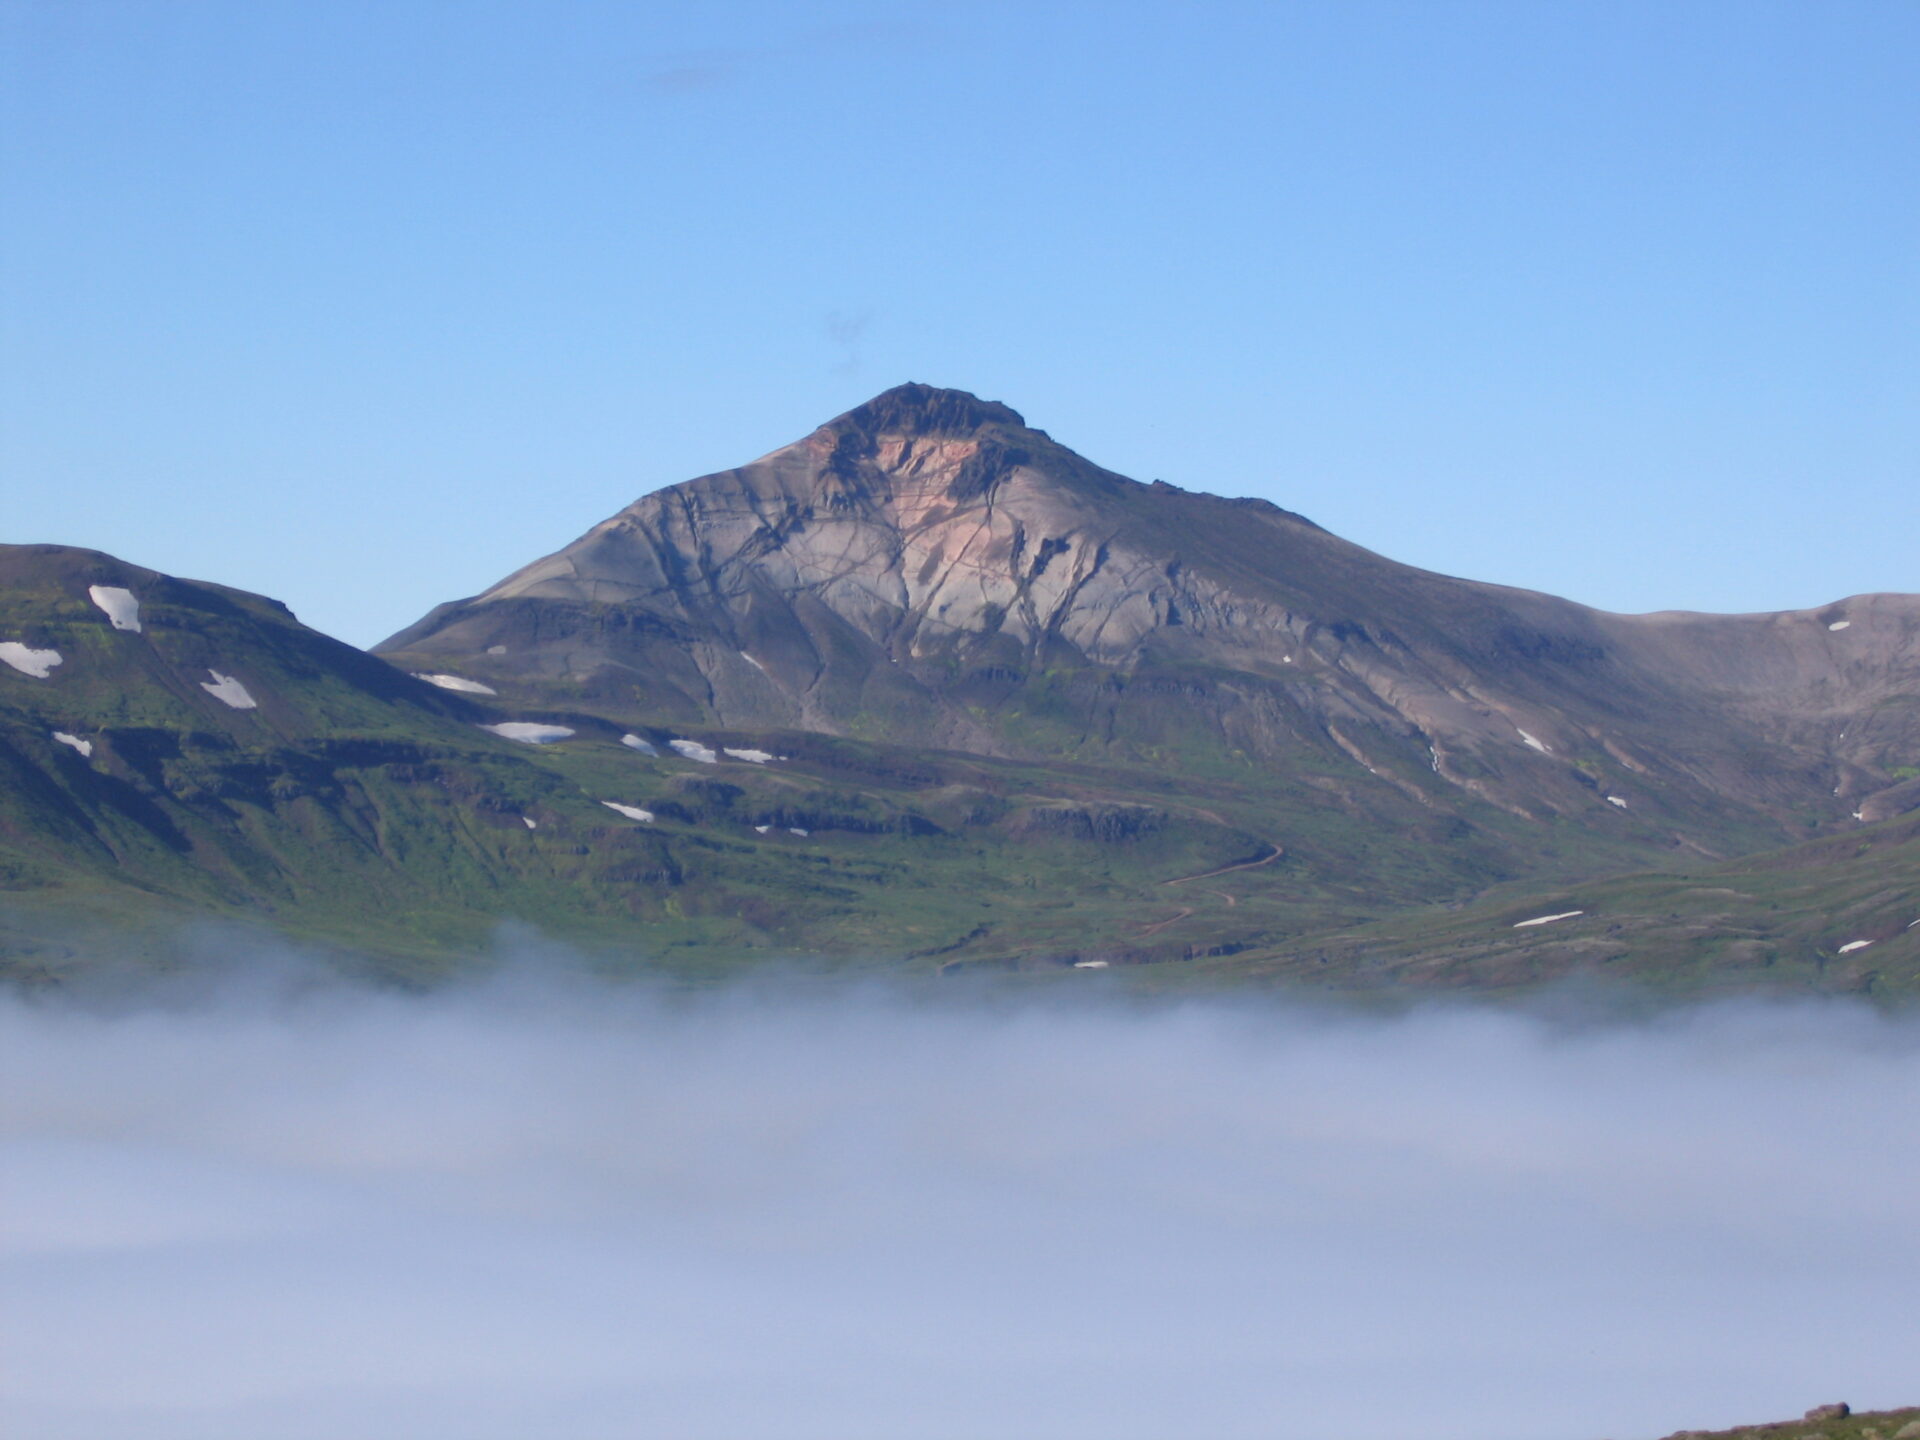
[[921, 567]]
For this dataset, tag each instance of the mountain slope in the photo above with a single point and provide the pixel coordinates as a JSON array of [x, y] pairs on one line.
[[1840, 915], [927, 569], [222, 760]]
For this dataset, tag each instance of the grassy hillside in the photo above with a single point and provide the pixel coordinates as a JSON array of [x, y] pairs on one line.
[[1785, 919], [349, 803]]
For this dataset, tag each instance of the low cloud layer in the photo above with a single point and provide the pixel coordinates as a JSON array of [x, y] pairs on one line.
[[565, 1210]]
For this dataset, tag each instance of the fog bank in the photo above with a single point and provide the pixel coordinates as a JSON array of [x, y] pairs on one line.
[[564, 1210]]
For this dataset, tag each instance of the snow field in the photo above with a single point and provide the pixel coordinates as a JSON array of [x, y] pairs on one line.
[[37, 663], [119, 604], [228, 691], [527, 732], [458, 682]]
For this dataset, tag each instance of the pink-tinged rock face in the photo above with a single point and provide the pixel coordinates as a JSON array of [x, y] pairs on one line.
[[927, 557]]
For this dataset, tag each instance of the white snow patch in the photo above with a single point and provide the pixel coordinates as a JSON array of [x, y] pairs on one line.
[[1534, 742], [796, 830], [121, 606], [1860, 816], [752, 757], [1547, 919], [1840, 624], [753, 662], [1089, 964], [694, 750], [1286, 659], [632, 812], [28, 661], [496, 649], [529, 822], [634, 742], [1853, 945], [528, 733], [85, 747], [457, 682], [228, 691], [1617, 800], [761, 829]]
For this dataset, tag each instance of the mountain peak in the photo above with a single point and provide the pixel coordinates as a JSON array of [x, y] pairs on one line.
[[915, 409]]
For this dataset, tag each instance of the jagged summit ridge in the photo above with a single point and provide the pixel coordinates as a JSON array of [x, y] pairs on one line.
[[928, 410]]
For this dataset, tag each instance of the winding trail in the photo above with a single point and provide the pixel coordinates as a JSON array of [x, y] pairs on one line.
[[1158, 926], [1229, 869]]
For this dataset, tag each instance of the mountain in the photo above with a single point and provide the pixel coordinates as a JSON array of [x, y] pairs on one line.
[[928, 569], [927, 691]]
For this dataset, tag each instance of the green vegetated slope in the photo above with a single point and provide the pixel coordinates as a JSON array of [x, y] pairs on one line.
[[353, 803], [1840, 914]]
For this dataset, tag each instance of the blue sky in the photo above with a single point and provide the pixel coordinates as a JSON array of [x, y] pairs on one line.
[[364, 305]]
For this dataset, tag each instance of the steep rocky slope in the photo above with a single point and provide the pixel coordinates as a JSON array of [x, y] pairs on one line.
[[927, 569]]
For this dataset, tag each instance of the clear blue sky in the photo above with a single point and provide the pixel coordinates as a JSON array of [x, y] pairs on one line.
[[364, 304]]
